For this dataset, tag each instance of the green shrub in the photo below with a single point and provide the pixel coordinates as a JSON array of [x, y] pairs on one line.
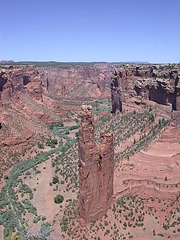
[[29, 207], [60, 124], [51, 142], [55, 180], [40, 145], [54, 141], [43, 218], [73, 127], [59, 199]]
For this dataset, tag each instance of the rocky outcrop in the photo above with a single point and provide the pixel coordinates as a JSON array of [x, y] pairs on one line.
[[116, 93], [176, 113], [96, 169], [158, 83], [177, 94], [16, 79]]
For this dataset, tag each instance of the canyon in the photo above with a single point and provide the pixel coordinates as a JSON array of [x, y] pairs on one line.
[[86, 81], [41, 96], [105, 137]]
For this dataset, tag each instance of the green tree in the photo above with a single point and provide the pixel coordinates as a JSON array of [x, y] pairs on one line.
[[59, 199]]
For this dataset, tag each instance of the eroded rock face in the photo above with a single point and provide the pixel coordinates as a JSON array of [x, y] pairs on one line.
[[139, 83], [15, 79], [96, 169], [23, 108], [177, 94], [176, 113], [116, 93], [78, 81]]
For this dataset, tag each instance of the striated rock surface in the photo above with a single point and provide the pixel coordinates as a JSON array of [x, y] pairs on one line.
[[15, 79], [77, 81], [176, 113], [116, 93], [23, 107], [177, 93], [140, 83], [150, 169], [96, 169]]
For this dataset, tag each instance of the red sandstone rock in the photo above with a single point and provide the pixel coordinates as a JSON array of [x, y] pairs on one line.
[[15, 79], [116, 93], [158, 83], [176, 113], [77, 81], [23, 113], [150, 169], [96, 169]]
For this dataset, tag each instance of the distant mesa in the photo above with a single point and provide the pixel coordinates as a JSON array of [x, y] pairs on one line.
[[6, 62]]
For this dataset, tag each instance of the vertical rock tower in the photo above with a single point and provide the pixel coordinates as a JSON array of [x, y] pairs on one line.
[[116, 93], [176, 105], [96, 169]]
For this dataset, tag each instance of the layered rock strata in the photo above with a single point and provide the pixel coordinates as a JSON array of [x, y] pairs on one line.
[[96, 169], [176, 113], [139, 83], [77, 81], [15, 79], [24, 110], [116, 93]]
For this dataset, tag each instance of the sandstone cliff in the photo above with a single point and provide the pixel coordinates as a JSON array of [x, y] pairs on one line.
[[96, 169], [23, 110], [18, 79], [116, 93], [140, 83], [77, 81]]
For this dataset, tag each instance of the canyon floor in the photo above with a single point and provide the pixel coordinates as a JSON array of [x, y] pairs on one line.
[[146, 181]]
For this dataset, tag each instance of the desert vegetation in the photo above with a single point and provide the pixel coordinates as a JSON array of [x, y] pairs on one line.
[[128, 216]]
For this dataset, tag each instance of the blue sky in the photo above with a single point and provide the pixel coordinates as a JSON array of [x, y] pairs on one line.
[[90, 30]]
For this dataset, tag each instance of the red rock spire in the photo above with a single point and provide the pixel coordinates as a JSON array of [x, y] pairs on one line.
[[96, 169]]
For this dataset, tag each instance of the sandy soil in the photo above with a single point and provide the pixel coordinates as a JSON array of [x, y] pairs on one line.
[[44, 195], [1, 232], [69, 124], [44, 200], [144, 174], [155, 164]]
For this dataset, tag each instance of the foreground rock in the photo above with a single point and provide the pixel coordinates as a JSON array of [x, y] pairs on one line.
[[96, 169]]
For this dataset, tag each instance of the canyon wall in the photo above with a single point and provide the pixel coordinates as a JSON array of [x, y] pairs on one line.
[[176, 113], [77, 81], [18, 79], [96, 169], [141, 83], [24, 110]]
